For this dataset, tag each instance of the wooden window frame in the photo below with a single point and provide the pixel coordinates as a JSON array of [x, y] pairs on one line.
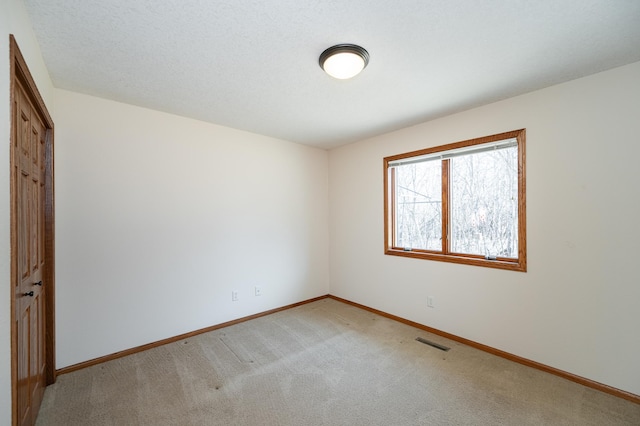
[[446, 255]]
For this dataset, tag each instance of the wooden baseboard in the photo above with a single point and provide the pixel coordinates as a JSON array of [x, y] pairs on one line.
[[152, 345], [533, 364], [538, 366]]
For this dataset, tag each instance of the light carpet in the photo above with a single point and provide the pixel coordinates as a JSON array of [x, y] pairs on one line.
[[323, 363]]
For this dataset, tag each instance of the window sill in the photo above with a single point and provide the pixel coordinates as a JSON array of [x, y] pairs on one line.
[[510, 265]]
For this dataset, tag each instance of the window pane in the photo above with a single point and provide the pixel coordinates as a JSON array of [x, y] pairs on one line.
[[484, 203], [419, 206]]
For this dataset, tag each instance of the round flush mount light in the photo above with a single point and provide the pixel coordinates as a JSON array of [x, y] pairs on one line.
[[344, 61]]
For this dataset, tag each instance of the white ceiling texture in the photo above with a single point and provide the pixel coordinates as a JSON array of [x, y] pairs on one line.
[[253, 64]]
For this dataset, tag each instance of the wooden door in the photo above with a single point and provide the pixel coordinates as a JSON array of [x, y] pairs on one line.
[[29, 286], [32, 244]]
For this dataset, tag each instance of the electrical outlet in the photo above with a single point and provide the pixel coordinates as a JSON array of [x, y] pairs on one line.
[[430, 302], [234, 295], [258, 290]]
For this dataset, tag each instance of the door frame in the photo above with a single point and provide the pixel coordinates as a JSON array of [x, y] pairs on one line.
[[20, 72]]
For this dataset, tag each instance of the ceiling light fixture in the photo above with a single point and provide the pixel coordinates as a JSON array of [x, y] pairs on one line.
[[344, 61]]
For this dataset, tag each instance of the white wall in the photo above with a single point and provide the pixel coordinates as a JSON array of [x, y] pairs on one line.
[[576, 307], [13, 20], [160, 217]]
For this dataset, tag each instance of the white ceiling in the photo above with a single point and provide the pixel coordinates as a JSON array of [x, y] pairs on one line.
[[253, 64]]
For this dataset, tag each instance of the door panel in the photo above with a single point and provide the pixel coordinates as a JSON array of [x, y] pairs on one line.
[[29, 295], [24, 401], [32, 243]]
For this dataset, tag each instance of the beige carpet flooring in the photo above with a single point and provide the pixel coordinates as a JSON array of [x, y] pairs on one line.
[[324, 363]]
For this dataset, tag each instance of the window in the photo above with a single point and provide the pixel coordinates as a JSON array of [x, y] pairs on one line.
[[463, 202]]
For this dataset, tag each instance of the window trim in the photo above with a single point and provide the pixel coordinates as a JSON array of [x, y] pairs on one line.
[[519, 264]]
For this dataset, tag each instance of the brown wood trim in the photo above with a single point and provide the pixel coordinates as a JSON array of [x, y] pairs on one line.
[[522, 201], [389, 209], [464, 260], [20, 66], [533, 364], [393, 230], [444, 206], [456, 145], [173, 339], [50, 260], [511, 357], [19, 72], [14, 238], [519, 264]]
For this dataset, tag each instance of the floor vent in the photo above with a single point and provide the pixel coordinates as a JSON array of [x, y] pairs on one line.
[[434, 344]]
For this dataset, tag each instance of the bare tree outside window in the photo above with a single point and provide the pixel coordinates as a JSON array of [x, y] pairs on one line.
[[419, 205], [462, 202], [484, 203]]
